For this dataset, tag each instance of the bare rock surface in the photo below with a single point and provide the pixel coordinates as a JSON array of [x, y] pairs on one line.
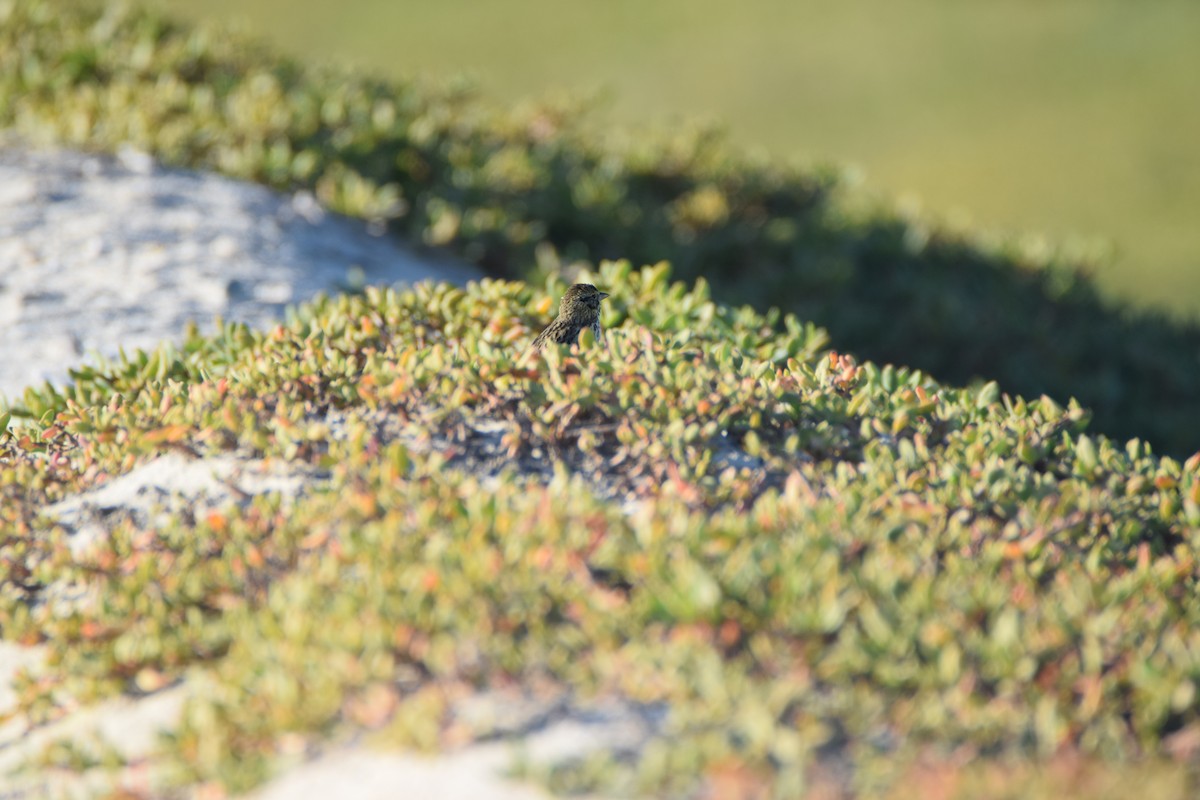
[[528, 729], [172, 484], [99, 253]]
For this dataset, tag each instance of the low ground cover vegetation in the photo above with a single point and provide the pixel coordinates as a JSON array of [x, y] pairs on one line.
[[827, 575]]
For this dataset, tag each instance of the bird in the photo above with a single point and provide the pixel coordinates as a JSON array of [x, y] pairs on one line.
[[578, 309]]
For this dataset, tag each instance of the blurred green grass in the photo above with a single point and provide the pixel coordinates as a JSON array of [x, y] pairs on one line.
[[1075, 119]]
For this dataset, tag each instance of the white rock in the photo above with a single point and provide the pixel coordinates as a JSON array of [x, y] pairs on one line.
[[103, 253]]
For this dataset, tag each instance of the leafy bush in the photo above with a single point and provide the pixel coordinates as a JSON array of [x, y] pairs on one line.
[[822, 570], [515, 190]]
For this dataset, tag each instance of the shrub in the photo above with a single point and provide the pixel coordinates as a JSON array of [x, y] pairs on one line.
[[541, 186]]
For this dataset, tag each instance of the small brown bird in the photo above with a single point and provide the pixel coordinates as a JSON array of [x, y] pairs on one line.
[[579, 309]]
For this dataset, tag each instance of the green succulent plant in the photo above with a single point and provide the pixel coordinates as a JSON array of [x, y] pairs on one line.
[[822, 570]]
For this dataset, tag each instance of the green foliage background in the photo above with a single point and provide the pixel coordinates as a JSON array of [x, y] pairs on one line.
[[521, 192], [1071, 118]]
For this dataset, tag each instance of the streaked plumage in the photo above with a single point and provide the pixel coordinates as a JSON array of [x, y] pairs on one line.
[[579, 309]]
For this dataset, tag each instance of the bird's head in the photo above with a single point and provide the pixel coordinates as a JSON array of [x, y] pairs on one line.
[[581, 300]]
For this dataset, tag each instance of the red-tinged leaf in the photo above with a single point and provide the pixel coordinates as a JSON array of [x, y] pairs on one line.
[[431, 580], [169, 434], [315, 539]]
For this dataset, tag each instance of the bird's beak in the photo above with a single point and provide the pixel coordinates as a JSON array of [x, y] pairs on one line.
[[603, 295]]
